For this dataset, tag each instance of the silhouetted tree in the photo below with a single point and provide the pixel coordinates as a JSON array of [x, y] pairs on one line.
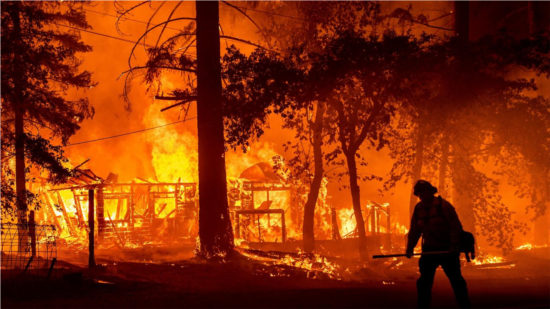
[[169, 55], [39, 65], [370, 77], [464, 114], [215, 231]]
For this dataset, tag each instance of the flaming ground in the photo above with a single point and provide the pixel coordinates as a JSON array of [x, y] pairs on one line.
[[190, 283]]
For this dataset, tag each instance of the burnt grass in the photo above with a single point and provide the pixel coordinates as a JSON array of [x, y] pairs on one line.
[[243, 282]]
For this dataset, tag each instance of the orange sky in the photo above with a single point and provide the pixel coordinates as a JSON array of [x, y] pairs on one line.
[[131, 156]]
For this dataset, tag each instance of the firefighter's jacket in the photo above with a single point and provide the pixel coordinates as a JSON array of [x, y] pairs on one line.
[[440, 228]]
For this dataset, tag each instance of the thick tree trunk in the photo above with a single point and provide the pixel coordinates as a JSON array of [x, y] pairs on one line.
[[535, 25], [534, 14], [356, 199], [443, 166], [461, 162], [215, 232], [20, 179], [20, 187], [461, 14], [20, 161], [417, 168], [309, 208]]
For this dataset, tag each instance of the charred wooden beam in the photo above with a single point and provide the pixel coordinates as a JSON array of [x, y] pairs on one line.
[[115, 196], [90, 186], [335, 228], [119, 208], [150, 206], [52, 211], [100, 213], [79, 211], [82, 163], [64, 211], [91, 225], [122, 242], [130, 212], [112, 178], [259, 212], [175, 98]]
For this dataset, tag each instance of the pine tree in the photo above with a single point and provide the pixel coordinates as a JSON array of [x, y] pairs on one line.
[[39, 64]]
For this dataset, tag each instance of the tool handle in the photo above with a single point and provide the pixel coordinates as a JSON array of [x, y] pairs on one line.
[[400, 255]]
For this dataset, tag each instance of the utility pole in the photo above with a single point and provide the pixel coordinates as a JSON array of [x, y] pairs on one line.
[[215, 231]]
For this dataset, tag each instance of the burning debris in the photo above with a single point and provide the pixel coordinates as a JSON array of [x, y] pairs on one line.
[[265, 211], [127, 214], [277, 159], [529, 246], [485, 261]]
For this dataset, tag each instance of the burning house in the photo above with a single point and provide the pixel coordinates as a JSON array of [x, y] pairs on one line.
[[265, 211], [128, 214]]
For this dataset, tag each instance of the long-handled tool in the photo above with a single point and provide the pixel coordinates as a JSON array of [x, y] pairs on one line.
[[400, 255]]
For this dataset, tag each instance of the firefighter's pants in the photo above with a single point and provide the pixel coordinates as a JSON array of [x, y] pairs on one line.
[[450, 263]]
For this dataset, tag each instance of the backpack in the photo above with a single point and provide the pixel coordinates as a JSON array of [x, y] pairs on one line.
[[467, 240]]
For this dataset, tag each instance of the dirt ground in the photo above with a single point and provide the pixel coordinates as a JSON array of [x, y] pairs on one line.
[[151, 280]]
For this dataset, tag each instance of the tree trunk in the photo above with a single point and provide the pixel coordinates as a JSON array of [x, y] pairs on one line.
[[20, 179], [20, 161], [443, 166], [461, 14], [541, 223], [309, 208], [462, 167], [20, 187], [417, 168], [461, 162], [215, 232], [356, 199], [534, 14]]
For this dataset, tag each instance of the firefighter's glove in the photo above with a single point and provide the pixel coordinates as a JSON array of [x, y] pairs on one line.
[[454, 250]]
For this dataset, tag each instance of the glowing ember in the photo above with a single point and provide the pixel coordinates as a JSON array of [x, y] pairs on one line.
[[492, 261], [313, 265], [488, 259], [529, 246]]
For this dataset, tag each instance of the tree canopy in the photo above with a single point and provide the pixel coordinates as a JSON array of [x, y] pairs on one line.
[[39, 65]]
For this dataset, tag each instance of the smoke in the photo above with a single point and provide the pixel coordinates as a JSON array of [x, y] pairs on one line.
[[169, 153]]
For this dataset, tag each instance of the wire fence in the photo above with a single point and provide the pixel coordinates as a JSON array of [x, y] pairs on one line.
[[28, 250]]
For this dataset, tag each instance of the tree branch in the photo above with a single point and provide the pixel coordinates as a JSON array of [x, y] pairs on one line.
[[252, 20], [156, 67], [151, 29], [244, 41], [169, 17], [366, 128]]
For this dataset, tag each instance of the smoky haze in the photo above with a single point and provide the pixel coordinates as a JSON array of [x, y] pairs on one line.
[[169, 153]]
